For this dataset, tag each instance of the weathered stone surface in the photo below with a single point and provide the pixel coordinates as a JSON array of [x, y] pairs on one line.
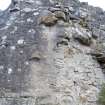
[[98, 53], [48, 20], [43, 64], [83, 36], [60, 15]]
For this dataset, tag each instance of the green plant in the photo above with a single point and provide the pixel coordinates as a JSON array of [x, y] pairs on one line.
[[83, 23], [101, 99]]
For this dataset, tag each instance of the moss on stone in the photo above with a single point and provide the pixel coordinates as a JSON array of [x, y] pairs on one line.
[[83, 23], [101, 99]]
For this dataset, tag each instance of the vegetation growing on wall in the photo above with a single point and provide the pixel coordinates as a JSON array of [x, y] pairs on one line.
[[101, 99]]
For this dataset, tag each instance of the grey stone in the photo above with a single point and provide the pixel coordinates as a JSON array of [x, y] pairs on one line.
[[95, 33], [83, 37], [43, 64]]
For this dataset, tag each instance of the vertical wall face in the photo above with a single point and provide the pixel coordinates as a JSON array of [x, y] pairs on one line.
[[45, 55]]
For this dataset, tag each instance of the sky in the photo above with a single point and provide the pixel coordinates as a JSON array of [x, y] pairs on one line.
[[96, 3], [4, 4]]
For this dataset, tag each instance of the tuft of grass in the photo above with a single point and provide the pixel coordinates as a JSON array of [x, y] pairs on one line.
[[101, 99], [83, 23]]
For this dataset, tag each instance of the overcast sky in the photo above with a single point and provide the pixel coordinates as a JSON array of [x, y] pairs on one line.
[[4, 4], [100, 3]]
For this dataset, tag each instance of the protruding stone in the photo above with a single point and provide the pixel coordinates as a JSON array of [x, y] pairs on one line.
[[20, 42], [83, 37], [49, 20], [12, 47], [36, 13], [27, 10], [35, 57], [10, 70], [60, 15]]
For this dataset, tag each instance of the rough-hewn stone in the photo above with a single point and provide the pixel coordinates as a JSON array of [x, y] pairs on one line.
[[50, 63], [49, 20]]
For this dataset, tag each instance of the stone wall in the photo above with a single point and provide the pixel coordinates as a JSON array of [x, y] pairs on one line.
[[46, 53]]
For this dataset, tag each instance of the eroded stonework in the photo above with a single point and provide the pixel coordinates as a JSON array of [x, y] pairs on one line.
[[46, 53]]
